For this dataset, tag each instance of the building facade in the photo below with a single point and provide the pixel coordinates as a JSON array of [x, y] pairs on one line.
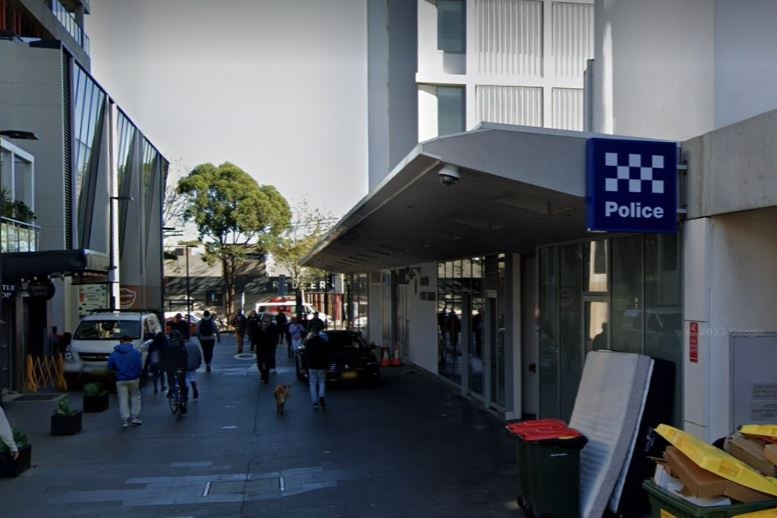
[[491, 279], [96, 190]]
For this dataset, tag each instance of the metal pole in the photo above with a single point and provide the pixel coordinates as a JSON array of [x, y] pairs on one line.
[[188, 292]]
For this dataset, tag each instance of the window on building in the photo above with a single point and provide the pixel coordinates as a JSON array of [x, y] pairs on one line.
[[450, 110], [451, 26]]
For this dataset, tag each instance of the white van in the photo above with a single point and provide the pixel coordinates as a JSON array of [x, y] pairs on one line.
[[98, 333], [290, 308]]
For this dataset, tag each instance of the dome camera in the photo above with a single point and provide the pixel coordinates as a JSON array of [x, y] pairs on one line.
[[449, 175]]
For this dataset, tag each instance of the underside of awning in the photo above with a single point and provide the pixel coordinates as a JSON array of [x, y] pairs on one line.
[[26, 265], [520, 187]]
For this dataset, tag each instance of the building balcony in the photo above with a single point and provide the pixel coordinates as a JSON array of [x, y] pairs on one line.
[[68, 20], [18, 236]]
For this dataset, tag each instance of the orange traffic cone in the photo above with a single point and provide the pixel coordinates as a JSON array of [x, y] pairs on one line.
[[395, 361], [384, 356]]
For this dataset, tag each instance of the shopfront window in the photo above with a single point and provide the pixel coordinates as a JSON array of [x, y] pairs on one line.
[[627, 300], [548, 331]]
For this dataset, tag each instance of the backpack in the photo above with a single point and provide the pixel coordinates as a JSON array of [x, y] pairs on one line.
[[206, 327]]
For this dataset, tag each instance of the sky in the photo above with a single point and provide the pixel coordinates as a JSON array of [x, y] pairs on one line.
[[277, 87]]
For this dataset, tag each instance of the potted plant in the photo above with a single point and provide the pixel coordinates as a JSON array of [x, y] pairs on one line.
[[13, 467], [95, 398], [65, 420]]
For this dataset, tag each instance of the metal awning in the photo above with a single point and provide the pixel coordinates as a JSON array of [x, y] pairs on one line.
[[520, 187], [53, 262]]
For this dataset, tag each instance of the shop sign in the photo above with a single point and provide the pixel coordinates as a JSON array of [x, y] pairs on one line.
[[693, 342], [41, 289], [631, 186], [8, 291]]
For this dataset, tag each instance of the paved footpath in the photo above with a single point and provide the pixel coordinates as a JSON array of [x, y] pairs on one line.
[[410, 447]]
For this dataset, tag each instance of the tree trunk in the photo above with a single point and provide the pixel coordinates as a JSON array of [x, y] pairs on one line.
[[228, 265]]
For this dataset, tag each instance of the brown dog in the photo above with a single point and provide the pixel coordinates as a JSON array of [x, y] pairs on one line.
[[282, 393]]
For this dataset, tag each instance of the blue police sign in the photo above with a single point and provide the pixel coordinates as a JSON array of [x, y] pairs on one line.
[[631, 186]]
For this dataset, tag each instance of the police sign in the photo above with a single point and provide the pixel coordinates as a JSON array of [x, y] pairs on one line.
[[631, 186]]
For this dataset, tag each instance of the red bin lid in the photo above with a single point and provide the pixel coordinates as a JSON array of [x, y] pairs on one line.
[[537, 424]]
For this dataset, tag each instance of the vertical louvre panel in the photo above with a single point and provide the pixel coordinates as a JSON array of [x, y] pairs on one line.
[[573, 39], [567, 108], [67, 113], [510, 104], [509, 37]]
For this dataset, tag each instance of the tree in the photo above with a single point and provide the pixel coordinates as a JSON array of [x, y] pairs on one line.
[[233, 214], [307, 227]]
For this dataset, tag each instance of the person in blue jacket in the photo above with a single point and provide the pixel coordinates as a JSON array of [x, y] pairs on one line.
[[126, 362]]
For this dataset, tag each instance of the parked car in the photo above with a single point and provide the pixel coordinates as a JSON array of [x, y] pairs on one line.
[[98, 333], [351, 360]]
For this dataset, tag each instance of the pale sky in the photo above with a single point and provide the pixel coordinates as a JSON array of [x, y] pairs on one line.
[[278, 87]]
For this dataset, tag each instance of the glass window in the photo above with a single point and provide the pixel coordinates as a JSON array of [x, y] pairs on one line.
[[571, 355], [627, 303], [450, 110], [548, 333], [451, 26], [595, 256], [663, 308]]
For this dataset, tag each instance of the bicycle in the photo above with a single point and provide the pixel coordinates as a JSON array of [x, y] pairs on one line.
[[177, 402]]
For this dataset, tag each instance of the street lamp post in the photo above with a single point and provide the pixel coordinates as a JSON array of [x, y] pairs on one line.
[[113, 267]]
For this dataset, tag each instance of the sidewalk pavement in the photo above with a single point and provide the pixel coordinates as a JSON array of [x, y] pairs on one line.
[[409, 447]]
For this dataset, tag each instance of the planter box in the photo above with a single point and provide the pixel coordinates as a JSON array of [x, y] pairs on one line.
[[96, 403], [13, 468], [65, 424]]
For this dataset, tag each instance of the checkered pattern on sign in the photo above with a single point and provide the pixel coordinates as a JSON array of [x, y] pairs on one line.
[[631, 175]]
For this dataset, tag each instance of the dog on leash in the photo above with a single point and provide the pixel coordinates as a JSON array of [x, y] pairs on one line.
[[282, 393]]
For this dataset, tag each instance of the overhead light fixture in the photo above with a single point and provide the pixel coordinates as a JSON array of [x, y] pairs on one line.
[[449, 174]]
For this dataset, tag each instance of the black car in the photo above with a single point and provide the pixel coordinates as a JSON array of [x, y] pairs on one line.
[[351, 358]]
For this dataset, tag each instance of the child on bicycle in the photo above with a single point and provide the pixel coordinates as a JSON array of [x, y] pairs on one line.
[[174, 363]]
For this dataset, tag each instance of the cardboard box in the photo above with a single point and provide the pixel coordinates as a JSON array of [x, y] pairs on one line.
[[770, 452], [751, 452], [705, 484]]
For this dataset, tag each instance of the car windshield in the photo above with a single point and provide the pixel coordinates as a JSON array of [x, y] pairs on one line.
[[107, 329], [342, 341]]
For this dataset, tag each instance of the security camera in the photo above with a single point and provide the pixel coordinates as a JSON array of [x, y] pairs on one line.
[[449, 175]]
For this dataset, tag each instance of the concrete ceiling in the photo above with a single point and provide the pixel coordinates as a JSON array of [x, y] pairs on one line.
[[520, 187]]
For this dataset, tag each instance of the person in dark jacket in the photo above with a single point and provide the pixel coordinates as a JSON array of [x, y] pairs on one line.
[[240, 323], [266, 343], [316, 359], [154, 361], [181, 325], [252, 328], [174, 363], [209, 336], [126, 362]]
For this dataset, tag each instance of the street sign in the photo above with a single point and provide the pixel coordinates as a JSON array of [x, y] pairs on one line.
[[631, 186]]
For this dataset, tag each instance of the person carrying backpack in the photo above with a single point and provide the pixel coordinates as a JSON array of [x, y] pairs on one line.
[[208, 334]]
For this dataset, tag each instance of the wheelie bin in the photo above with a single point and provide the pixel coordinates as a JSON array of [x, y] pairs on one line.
[[548, 456], [543, 450]]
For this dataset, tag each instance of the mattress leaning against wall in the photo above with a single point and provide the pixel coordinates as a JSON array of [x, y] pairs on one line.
[[607, 410]]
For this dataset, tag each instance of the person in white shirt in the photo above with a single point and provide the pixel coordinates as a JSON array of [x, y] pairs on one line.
[[6, 434]]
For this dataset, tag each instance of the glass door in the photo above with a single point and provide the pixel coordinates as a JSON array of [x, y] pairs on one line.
[[595, 332]]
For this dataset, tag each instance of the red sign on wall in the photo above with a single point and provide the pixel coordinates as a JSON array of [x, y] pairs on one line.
[[693, 345]]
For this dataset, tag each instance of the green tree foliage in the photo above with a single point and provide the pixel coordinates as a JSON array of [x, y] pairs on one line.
[[233, 214], [308, 226]]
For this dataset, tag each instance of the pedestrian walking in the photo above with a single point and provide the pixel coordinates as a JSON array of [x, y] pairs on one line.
[[6, 435], [240, 323], [154, 361], [296, 332], [126, 362], [181, 325], [282, 322], [252, 328], [266, 343], [315, 324], [193, 362], [209, 336], [316, 360]]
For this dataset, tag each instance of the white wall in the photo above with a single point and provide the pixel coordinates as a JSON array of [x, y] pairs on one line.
[[423, 318], [654, 71], [745, 68], [730, 286]]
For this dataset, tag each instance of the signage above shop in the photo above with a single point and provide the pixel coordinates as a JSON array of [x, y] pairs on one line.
[[631, 186]]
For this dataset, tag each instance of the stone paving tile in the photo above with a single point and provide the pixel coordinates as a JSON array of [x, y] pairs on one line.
[[411, 447]]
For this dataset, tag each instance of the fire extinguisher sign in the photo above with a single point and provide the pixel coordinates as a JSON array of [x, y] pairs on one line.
[[693, 342]]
